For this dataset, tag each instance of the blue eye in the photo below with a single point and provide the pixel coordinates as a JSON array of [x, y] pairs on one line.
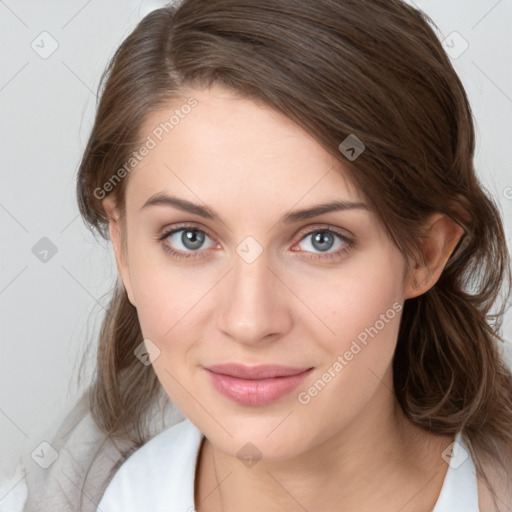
[[192, 240], [324, 240]]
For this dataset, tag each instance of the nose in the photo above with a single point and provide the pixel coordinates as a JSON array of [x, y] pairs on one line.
[[254, 303]]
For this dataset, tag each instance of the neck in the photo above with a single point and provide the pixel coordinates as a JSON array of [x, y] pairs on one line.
[[379, 458]]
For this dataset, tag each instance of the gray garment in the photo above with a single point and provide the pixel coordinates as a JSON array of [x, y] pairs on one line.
[[71, 483]]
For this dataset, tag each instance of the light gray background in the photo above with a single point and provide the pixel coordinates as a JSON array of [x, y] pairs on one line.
[[50, 311]]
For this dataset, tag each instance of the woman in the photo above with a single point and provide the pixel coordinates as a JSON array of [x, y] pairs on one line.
[[307, 265]]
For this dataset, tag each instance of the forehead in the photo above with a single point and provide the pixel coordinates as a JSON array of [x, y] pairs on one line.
[[230, 148]]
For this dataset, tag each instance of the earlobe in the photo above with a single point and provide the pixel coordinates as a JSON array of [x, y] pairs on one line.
[[116, 238], [442, 236]]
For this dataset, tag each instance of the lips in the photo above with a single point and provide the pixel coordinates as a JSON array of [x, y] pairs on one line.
[[255, 385], [255, 372]]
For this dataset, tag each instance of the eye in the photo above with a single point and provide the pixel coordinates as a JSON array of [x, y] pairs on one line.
[[185, 241], [324, 240]]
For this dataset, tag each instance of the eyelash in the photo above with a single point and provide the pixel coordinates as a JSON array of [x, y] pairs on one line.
[[180, 255]]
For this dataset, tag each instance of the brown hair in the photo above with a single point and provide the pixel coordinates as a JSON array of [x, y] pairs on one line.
[[371, 68]]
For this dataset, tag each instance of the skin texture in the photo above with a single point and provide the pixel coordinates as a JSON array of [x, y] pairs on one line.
[[253, 165]]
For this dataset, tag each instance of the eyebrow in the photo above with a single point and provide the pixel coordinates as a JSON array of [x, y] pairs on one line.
[[162, 199]]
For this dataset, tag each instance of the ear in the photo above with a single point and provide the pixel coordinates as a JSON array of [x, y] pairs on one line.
[[116, 238], [443, 235]]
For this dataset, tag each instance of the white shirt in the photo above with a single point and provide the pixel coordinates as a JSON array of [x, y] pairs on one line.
[[159, 476]]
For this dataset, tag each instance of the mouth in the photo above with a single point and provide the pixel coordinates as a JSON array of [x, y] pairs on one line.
[[255, 385]]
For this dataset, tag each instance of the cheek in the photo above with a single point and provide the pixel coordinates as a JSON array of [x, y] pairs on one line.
[[168, 303], [365, 293], [165, 291], [364, 313]]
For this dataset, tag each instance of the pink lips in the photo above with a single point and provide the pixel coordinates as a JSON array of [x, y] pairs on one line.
[[255, 385]]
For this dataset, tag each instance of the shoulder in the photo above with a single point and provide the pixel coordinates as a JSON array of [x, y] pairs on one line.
[[14, 489], [157, 474], [175, 442], [73, 463]]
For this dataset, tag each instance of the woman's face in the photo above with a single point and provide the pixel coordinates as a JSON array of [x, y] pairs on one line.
[[256, 283]]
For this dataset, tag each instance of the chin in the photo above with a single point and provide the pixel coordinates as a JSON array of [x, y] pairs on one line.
[[265, 437]]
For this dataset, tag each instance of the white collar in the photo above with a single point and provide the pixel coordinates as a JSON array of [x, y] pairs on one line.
[[460, 488], [458, 493], [161, 475]]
